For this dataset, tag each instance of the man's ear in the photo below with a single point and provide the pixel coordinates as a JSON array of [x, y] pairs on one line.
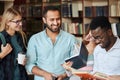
[[109, 32], [44, 20]]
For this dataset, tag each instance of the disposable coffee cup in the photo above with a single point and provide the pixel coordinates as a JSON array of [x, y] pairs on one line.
[[21, 58]]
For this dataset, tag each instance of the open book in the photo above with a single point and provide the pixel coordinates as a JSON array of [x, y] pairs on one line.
[[88, 75], [82, 74], [79, 60]]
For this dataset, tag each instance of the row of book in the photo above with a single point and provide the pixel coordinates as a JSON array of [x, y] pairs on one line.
[[67, 0], [93, 11], [31, 11], [115, 28], [51, 0], [35, 1], [75, 10], [68, 10], [32, 26], [39, 1], [76, 28], [73, 28], [71, 9], [47, 0], [115, 9]]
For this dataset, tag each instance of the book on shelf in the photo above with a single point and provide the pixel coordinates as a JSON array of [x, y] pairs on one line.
[[35, 1], [67, 10], [118, 8], [37, 11], [33, 10], [32, 1], [39, 1], [92, 11], [88, 11], [116, 29], [66, 0], [23, 10], [100, 10], [53, 0], [76, 7], [73, 28], [29, 8], [79, 60], [113, 10]]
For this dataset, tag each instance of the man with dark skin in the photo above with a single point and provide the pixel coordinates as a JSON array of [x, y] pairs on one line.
[[107, 52]]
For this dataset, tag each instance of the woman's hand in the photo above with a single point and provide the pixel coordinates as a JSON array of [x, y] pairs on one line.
[[5, 50], [24, 62]]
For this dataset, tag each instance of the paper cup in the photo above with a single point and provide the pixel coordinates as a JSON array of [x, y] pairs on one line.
[[21, 58]]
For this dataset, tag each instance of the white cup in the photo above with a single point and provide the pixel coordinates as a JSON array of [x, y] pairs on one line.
[[21, 58]]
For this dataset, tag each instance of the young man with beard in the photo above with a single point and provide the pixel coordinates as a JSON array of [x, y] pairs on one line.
[[107, 52], [48, 49]]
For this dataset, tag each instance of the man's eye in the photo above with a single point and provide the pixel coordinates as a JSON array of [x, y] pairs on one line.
[[96, 37], [51, 19]]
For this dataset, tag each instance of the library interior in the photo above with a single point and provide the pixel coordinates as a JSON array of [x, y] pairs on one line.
[[76, 14]]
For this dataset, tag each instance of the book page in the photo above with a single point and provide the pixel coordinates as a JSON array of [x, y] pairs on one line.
[[82, 74], [88, 75], [100, 75]]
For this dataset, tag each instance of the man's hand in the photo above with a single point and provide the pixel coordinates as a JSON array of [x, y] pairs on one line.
[[48, 76], [67, 65], [114, 77], [62, 76], [40, 72]]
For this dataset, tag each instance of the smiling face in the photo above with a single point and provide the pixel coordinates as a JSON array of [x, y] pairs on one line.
[[53, 21], [102, 37], [15, 24]]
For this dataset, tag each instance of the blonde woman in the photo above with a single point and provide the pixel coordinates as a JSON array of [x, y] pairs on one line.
[[11, 28]]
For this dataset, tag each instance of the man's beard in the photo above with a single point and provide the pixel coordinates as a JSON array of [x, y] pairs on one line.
[[46, 25]]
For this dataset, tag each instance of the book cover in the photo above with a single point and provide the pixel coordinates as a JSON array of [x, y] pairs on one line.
[[79, 60], [118, 29]]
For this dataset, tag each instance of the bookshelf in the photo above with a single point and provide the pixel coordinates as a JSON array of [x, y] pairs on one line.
[[32, 16], [114, 16], [76, 14], [93, 8]]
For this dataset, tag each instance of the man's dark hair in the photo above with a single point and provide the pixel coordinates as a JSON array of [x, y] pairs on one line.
[[50, 8], [100, 21]]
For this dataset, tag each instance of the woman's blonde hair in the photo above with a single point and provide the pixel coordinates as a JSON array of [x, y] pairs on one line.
[[8, 15]]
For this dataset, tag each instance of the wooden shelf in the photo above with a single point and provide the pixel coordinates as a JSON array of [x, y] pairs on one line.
[[79, 12]]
